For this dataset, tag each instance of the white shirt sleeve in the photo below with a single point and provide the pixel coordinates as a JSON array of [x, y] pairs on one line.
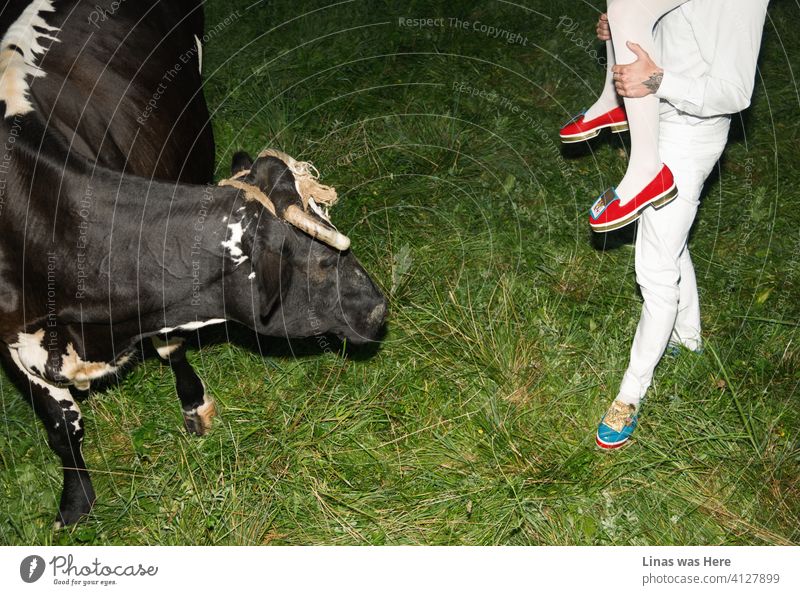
[[728, 33]]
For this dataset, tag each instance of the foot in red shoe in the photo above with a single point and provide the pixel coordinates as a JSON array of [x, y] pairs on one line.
[[578, 129], [607, 213]]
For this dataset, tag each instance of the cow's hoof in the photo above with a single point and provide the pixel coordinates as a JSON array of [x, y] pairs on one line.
[[198, 421], [71, 515], [77, 498]]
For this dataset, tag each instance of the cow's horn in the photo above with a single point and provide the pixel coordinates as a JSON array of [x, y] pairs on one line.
[[315, 229]]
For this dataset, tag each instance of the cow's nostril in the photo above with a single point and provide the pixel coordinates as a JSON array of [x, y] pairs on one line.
[[377, 315]]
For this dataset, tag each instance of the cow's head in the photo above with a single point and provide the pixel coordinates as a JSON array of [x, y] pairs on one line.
[[306, 285]]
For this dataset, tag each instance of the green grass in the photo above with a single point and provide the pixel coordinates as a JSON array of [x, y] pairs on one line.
[[509, 329]]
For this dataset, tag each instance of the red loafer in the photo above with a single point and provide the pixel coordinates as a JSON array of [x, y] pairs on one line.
[[578, 129], [607, 214]]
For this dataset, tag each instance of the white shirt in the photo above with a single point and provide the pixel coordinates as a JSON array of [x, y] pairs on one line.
[[709, 51]]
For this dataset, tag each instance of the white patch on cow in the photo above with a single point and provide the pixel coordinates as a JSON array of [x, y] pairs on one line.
[[201, 417], [33, 360], [57, 393], [252, 275], [191, 326], [81, 373], [32, 355], [199, 54], [234, 243], [19, 50], [168, 347]]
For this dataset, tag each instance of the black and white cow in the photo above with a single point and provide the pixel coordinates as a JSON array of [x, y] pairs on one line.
[[93, 260], [122, 83]]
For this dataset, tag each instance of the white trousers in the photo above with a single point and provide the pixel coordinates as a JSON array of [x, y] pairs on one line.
[[664, 269]]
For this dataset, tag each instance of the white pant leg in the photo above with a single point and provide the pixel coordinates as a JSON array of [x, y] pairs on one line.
[[687, 323], [664, 269]]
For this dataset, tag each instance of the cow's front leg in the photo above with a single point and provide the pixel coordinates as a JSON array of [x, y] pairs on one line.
[[62, 419], [198, 408]]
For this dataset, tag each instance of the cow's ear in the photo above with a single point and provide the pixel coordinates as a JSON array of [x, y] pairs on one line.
[[273, 275], [241, 162]]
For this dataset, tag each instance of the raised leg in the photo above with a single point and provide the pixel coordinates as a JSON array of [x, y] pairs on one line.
[[62, 420], [634, 20], [608, 99], [198, 408]]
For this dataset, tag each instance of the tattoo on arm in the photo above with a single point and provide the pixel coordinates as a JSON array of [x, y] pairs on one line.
[[654, 82]]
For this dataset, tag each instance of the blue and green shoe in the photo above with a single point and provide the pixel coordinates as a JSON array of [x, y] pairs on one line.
[[617, 425]]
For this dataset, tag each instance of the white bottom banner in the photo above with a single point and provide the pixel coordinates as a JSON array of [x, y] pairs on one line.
[[417, 570]]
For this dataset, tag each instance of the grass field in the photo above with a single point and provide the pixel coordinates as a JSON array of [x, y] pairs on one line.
[[509, 328]]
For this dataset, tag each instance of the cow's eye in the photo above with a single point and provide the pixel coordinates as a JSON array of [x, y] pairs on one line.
[[327, 263]]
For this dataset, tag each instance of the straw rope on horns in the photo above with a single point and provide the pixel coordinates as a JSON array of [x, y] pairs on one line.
[[318, 197], [305, 176]]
